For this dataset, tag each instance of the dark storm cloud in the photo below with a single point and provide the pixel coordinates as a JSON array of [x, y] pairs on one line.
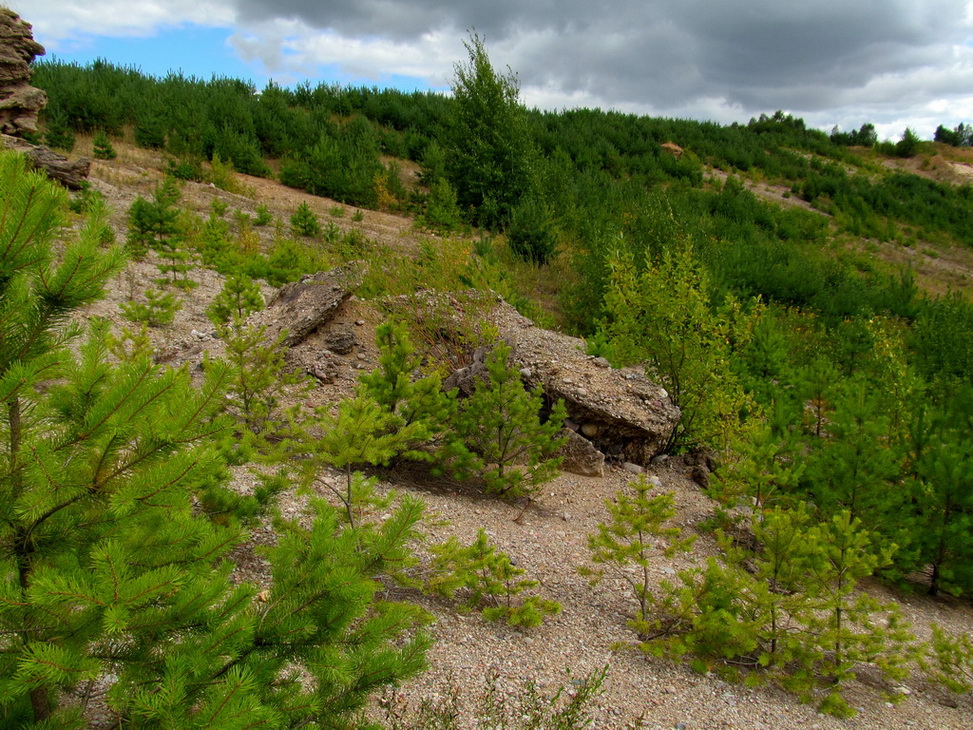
[[751, 54]]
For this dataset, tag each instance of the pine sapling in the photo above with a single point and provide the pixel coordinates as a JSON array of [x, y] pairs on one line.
[[304, 222], [948, 660], [635, 536], [239, 297], [103, 149], [418, 403], [842, 626], [157, 310], [490, 581], [502, 423], [259, 377]]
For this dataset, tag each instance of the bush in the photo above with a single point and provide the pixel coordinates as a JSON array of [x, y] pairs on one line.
[[103, 149], [304, 222], [531, 232], [157, 309]]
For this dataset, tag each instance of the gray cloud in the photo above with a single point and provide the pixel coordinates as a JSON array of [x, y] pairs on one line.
[[807, 56]]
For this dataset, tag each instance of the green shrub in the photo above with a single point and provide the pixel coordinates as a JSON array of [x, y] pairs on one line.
[[103, 149], [157, 309], [491, 582], [531, 232], [304, 222]]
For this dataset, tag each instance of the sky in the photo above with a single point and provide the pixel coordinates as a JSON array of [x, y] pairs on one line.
[[892, 63]]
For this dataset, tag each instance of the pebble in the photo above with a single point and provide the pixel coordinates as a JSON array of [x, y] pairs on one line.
[[601, 362], [655, 481], [633, 468], [359, 322]]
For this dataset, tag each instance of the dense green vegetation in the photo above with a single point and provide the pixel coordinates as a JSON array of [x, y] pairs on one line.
[[836, 397]]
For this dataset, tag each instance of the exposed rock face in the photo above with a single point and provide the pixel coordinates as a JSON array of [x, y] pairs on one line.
[[19, 101], [618, 414], [580, 456], [303, 306], [58, 167], [623, 414]]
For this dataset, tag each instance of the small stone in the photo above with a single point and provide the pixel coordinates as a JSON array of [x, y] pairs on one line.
[[591, 430], [633, 468], [581, 392], [359, 323], [902, 690], [660, 458], [667, 570], [601, 362], [525, 372], [341, 342], [655, 481]]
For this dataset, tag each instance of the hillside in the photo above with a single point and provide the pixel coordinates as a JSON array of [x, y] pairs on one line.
[[307, 389], [548, 541]]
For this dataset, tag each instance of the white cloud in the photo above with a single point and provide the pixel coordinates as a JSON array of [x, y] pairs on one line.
[[61, 22], [293, 47]]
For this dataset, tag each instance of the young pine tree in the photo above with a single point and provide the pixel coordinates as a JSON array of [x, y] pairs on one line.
[[239, 297], [491, 582], [418, 404], [103, 149], [304, 222], [628, 544], [111, 569], [501, 422], [151, 223]]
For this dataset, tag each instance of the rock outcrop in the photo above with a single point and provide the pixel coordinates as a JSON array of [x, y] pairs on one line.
[[620, 412], [301, 307], [70, 173], [612, 413], [19, 101]]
